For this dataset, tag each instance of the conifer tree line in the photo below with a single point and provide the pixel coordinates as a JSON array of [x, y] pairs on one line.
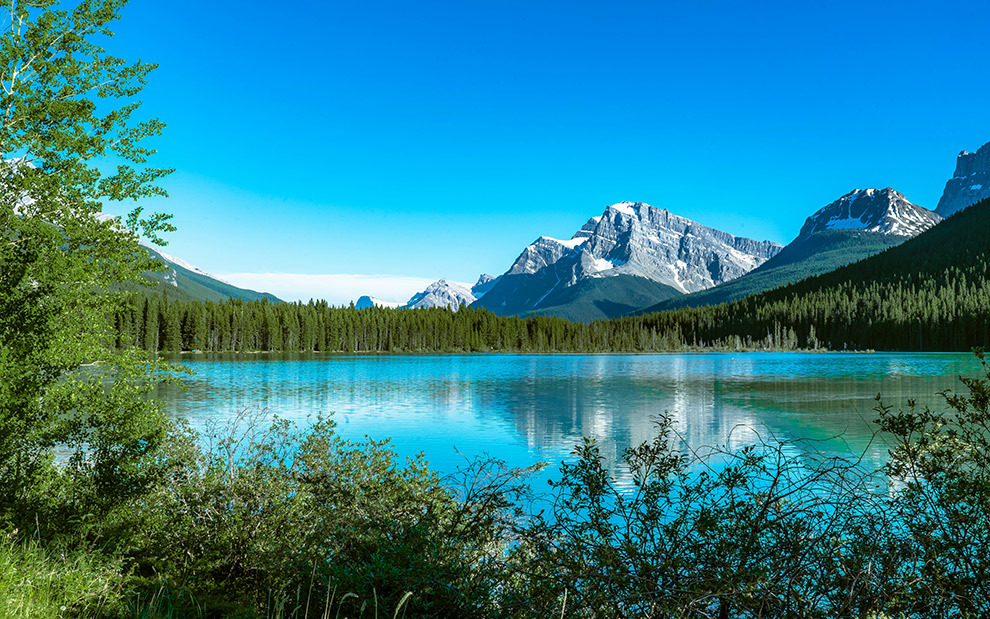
[[930, 294]]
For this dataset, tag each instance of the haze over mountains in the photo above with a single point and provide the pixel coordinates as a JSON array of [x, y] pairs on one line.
[[441, 293], [184, 281]]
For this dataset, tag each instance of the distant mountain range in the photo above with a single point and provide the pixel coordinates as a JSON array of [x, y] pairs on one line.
[[441, 293], [636, 258]]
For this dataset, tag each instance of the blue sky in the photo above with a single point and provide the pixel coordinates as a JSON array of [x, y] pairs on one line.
[[395, 143]]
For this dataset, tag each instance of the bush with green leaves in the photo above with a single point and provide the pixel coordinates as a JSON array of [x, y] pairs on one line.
[[940, 462], [263, 513], [766, 531]]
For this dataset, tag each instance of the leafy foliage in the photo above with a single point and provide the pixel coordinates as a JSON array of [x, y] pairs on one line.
[[270, 511], [64, 103]]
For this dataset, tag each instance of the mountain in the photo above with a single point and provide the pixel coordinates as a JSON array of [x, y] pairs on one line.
[[442, 293], [452, 295], [366, 301], [485, 283], [860, 224], [597, 298], [187, 282], [970, 183], [657, 254], [874, 210], [931, 292]]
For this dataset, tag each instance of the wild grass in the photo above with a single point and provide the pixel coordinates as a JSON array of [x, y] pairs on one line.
[[41, 583], [38, 584]]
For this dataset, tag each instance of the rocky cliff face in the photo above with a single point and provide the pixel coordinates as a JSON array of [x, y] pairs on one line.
[[633, 238], [970, 183], [485, 283], [629, 238], [546, 250], [874, 210]]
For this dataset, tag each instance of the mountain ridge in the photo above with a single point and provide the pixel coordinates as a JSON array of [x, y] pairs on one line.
[[856, 226], [185, 280]]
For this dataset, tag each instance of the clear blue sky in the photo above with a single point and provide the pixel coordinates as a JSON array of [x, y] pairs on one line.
[[436, 139]]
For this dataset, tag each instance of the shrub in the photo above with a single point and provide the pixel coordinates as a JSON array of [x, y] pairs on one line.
[[263, 515]]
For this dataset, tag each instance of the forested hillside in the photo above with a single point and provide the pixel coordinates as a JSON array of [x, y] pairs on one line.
[[931, 293], [821, 252], [189, 284]]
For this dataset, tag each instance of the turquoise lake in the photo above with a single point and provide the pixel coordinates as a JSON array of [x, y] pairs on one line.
[[530, 408]]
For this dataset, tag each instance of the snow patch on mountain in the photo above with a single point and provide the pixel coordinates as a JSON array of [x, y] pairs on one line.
[[874, 210], [626, 208], [185, 265], [569, 243]]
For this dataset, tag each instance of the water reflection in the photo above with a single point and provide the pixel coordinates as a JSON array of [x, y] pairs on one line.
[[529, 408]]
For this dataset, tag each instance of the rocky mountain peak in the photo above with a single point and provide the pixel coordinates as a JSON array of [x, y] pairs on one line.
[[442, 293], [874, 210], [627, 239], [484, 284], [969, 184], [634, 238]]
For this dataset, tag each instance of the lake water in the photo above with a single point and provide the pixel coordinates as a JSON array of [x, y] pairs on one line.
[[530, 408]]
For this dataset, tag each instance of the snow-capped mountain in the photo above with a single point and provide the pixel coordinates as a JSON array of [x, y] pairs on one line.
[[629, 239], [452, 295], [858, 225], [633, 238], [873, 210], [179, 262], [366, 301], [442, 293], [970, 183]]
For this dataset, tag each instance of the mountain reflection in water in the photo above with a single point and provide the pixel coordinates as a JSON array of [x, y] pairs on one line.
[[529, 408]]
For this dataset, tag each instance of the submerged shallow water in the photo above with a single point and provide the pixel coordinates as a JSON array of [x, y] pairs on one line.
[[529, 408]]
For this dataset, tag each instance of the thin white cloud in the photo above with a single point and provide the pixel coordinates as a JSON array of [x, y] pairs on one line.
[[335, 288]]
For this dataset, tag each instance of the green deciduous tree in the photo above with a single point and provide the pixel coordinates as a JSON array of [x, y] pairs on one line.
[[67, 108]]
